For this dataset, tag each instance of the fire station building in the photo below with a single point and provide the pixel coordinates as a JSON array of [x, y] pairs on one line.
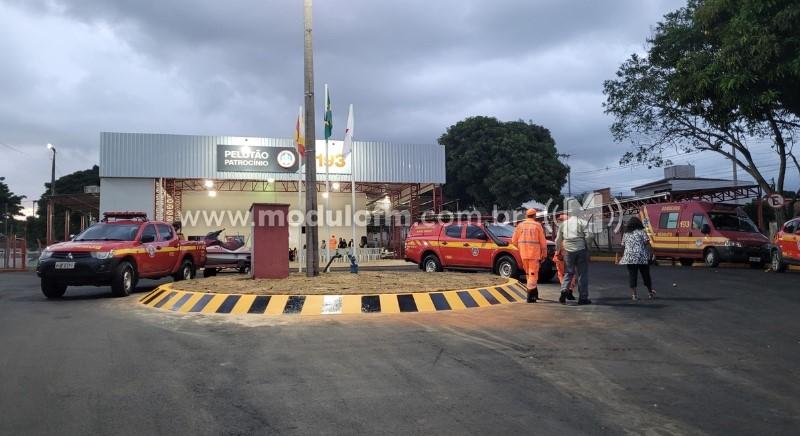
[[209, 182]]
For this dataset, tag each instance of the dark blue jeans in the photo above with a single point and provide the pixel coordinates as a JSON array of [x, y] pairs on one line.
[[577, 264]]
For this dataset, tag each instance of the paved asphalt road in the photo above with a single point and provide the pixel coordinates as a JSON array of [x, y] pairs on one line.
[[718, 354]]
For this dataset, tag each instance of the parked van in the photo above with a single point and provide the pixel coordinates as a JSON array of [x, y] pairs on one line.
[[700, 230]]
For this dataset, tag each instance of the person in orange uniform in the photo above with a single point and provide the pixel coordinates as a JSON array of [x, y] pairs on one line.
[[558, 259], [529, 239]]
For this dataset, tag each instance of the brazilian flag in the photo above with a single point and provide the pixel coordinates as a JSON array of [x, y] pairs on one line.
[[328, 115]]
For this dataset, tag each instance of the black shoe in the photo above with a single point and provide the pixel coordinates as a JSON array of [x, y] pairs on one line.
[[570, 295], [533, 295], [564, 297], [584, 301]]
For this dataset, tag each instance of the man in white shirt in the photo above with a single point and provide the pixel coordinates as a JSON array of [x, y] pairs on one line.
[[575, 236]]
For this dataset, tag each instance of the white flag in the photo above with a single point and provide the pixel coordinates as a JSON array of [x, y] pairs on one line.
[[348, 134]]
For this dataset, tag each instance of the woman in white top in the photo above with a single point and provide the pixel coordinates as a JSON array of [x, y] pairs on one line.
[[637, 256]]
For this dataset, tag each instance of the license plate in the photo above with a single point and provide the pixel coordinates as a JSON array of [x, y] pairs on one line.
[[65, 265], [755, 259]]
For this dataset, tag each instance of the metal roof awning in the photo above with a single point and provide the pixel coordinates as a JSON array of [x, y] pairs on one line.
[[84, 202]]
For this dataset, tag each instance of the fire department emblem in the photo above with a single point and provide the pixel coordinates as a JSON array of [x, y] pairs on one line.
[[286, 159], [476, 251], [698, 242], [151, 251]]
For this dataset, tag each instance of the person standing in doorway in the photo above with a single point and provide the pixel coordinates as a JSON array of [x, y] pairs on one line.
[[637, 256], [575, 237], [529, 239]]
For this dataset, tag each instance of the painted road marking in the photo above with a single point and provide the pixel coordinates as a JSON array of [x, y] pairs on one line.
[[167, 298], [259, 305], [440, 302], [406, 303], [370, 303]]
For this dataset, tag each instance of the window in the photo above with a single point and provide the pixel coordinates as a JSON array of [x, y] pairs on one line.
[[109, 232], [501, 230], [166, 232], [150, 230], [668, 220], [790, 227], [453, 231], [475, 232], [732, 222], [698, 221]]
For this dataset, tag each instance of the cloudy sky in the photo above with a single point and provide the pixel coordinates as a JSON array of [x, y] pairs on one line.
[[74, 68]]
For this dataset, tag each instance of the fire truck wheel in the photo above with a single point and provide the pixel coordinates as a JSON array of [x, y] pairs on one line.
[[777, 262], [431, 263], [244, 267], [52, 289], [209, 272], [687, 262], [506, 267], [124, 279], [711, 258], [185, 272]]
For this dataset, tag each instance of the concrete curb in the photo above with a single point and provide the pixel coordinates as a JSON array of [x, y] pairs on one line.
[[166, 298]]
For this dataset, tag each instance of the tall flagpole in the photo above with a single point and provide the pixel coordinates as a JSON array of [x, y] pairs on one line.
[[312, 240], [351, 125], [300, 128], [327, 182]]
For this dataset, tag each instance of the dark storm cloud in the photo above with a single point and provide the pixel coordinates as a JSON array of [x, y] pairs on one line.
[[411, 68]]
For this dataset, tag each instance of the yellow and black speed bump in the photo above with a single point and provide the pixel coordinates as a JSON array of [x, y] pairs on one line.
[[166, 298]]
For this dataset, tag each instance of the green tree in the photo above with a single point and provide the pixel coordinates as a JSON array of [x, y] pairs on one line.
[[490, 162], [10, 206], [70, 184], [719, 76]]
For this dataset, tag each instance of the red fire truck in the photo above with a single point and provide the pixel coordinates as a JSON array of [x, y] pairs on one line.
[[786, 246], [470, 246], [118, 251]]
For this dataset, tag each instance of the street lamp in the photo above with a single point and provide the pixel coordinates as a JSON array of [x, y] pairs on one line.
[[50, 201]]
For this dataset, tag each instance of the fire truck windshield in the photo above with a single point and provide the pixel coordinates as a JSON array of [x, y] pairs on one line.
[[109, 232], [732, 222], [500, 230]]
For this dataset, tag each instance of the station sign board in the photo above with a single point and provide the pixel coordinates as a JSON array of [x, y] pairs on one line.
[[257, 159]]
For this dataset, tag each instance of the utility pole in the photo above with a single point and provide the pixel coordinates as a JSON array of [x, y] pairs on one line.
[[51, 201], [312, 234]]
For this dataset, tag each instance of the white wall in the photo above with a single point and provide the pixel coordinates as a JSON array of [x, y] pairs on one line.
[[202, 214], [124, 194]]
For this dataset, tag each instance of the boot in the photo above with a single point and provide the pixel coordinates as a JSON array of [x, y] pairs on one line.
[[533, 295], [570, 295], [564, 297], [584, 301]]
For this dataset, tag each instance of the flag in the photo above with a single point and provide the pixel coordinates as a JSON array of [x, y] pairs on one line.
[[348, 134], [299, 133], [328, 115]]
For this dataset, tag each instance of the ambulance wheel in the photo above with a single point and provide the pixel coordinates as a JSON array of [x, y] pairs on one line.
[[209, 272], [431, 263], [687, 262], [52, 289], [185, 272], [711, 258], [124, 279], [777, 262], [506, 267]]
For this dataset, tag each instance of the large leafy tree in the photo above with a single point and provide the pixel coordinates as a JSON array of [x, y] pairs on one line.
[[490, 162], [70, 184], [10, 206], [719, 76]]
